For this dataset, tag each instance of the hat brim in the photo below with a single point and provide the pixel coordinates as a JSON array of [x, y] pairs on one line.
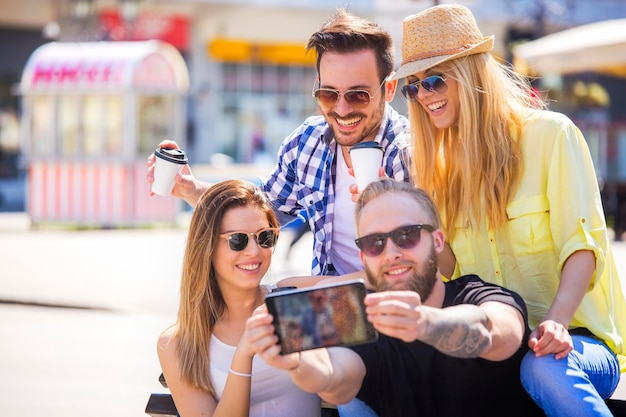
[[413, 67]]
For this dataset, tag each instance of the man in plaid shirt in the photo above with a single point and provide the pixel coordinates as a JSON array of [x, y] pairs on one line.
[[355, 57], [306, 179]]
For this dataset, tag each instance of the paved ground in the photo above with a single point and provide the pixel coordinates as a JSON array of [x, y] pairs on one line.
[[80, 312], [81, 340]]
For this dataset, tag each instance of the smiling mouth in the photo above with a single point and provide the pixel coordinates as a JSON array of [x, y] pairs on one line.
[[394, 272], [438, 105], [348, 121], [249, 267]]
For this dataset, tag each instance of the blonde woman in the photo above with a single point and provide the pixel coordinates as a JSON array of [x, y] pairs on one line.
[[520, 203], [206, 356]]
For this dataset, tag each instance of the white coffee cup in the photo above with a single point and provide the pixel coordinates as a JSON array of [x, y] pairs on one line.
[[168, 163], [367, 157]]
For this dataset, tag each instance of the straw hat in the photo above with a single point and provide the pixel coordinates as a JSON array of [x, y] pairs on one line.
[[439, 34]]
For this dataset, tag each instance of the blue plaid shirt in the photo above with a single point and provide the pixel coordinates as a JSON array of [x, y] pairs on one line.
[[304, 177]]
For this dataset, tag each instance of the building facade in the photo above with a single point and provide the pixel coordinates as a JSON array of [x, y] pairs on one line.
[[250, 78]]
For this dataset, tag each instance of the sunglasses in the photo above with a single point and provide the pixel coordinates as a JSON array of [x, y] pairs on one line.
[[359, 99], [404, 237], [434, 84], [265, 238]]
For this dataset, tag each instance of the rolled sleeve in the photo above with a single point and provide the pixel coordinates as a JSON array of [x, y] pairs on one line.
[[576, 214]]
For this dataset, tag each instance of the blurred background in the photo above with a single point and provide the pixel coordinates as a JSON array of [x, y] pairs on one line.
[[89, 263], [88, 88]]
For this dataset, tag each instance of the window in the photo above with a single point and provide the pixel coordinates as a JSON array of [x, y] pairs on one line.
[[70, 122], [156, 115], [42, 132], [257, 98]]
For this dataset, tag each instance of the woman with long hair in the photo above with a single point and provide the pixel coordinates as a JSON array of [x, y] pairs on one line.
[[206, 356], [520, 204]]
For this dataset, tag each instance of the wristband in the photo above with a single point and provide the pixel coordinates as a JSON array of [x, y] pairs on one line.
[[240, 373]]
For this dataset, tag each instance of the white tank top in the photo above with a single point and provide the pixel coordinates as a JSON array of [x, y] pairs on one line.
[[272, 392], [344, 254]]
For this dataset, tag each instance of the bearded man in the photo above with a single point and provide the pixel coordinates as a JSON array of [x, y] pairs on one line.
[[444, 348]]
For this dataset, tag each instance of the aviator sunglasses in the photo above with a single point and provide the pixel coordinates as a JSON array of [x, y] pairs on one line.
[[359, 99], [434, 84], [404, 237], [265, 238]]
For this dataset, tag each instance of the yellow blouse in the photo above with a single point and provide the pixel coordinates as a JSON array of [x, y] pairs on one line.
[[556, 211]]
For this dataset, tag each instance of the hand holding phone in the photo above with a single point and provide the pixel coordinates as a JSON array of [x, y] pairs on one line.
[[322, 316]]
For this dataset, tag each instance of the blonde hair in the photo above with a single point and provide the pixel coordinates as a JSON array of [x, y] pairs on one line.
[[481, 155], [388, 185], [201, 301]]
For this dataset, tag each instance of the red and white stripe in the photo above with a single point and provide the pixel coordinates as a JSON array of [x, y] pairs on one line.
[[98, 193]]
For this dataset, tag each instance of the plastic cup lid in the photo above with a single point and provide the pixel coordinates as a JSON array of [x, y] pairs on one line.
[[176, 156], [370, 144]]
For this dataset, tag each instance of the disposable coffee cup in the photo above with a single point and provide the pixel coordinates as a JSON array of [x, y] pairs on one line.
[[168, 163], [367, 157]]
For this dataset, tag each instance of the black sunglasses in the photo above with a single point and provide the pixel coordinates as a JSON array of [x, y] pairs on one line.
[[434, 84], [359, 99], [265, 238], [404, 237]]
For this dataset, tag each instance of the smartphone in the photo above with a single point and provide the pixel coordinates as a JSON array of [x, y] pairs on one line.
[[321, 316]]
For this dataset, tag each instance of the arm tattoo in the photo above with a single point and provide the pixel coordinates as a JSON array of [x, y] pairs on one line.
[[460, 335]]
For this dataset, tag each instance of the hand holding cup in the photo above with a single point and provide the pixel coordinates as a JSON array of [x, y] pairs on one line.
[[168, 163], [367, 157]]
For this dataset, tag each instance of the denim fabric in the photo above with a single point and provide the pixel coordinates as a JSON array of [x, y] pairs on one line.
[[575, 386], [355, 408]]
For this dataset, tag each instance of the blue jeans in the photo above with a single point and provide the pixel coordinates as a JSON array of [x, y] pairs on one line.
[[355, 408], [575, 386]]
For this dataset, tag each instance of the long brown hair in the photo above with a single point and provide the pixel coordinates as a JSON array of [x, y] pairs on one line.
[[201, 301], [482, 154]]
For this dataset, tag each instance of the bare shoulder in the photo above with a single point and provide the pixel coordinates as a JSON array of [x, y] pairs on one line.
[[167, 341]]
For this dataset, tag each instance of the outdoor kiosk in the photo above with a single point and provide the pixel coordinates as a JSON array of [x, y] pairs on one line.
[[91, 114]]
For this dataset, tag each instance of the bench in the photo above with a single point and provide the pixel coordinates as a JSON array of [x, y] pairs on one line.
[[162, 405], [617, 407]]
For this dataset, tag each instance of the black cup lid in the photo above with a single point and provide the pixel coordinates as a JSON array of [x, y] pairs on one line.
[[172, 155], [367, 144]]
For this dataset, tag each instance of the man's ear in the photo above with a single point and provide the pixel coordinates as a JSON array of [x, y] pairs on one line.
[[390, 89], [362, 258], [438, 240]]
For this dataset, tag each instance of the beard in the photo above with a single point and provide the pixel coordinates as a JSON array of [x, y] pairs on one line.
[[369, 128], [422, 281]]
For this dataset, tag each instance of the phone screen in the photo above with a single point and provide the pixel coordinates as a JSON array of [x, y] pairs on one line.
[[318, 317]]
